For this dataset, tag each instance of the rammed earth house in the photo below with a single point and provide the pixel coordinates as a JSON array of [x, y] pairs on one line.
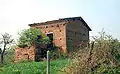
[[66, 33]]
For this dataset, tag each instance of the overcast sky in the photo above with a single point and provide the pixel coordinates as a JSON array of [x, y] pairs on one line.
[[15, 15]]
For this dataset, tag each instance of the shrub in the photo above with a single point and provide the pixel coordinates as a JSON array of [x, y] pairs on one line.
[[100, 58], [57, 54], [32, 36]]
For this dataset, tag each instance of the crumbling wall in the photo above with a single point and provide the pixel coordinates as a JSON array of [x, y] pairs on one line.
[[26, 53], [59, 33]]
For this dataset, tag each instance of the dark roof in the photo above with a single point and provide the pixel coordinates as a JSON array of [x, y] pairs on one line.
[[61, 20]]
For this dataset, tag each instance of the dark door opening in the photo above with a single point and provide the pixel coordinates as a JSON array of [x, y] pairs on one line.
[[41, 49], [50, 35], [50, 46]]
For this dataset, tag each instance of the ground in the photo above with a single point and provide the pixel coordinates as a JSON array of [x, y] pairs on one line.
[[34, 67]]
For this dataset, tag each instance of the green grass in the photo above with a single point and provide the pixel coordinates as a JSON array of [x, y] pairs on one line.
[[33, 67]]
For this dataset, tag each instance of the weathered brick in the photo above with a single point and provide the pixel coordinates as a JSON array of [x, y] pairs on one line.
[[67, 32], [24, 53]]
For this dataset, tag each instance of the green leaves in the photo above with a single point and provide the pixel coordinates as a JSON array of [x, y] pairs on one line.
[[32, 36]]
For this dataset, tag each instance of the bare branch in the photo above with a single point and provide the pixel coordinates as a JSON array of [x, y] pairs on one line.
[[5, 41]]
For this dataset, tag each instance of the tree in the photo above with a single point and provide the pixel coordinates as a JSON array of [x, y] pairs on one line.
[[5, 41], [32, 36]]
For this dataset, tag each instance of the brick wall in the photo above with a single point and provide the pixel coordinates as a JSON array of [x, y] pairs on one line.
[[24, 53], [59, 33]]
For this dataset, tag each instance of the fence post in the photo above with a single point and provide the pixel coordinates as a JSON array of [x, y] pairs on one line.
[[48, 62]]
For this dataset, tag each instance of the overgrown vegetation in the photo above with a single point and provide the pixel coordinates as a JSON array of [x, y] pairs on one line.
[[32, 36], [101, 58], [55, 53], [9, 57]]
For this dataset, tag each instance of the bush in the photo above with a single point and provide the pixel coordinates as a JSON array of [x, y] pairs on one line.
[[100, 58], [57, 54], [32, 36]]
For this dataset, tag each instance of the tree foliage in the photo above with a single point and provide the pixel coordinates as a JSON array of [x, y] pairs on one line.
[[112, 42], [32, 36]]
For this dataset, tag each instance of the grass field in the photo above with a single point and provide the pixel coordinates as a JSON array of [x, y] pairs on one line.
[[34, 67]]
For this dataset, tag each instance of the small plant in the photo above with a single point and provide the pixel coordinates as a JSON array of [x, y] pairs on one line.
[[55, 53], [16, 71]]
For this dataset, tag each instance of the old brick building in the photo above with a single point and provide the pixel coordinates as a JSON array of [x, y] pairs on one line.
[[66, 33]]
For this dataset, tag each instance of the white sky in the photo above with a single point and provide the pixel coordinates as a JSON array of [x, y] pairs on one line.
[[15, 15]]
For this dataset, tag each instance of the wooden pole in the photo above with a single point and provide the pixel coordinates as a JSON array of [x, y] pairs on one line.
[[48, 63]]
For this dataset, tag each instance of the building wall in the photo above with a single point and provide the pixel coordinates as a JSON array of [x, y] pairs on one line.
[[76, 34], [59, 33], [24, 54]]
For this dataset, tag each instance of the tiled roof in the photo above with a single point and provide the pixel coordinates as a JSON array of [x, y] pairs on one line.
[[61, 20]]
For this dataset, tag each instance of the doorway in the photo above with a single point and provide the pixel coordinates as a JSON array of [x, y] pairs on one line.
[[41, 49], [50, 46]]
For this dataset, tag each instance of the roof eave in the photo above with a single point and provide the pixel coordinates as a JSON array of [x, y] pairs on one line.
[[86, 24]]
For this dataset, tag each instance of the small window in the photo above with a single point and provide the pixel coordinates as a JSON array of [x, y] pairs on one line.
[[46, 26], [60, 38], [63, 24], [60, 30], [57, 25]]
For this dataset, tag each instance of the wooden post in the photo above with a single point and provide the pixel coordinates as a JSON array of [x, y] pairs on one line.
[[48, 63]]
